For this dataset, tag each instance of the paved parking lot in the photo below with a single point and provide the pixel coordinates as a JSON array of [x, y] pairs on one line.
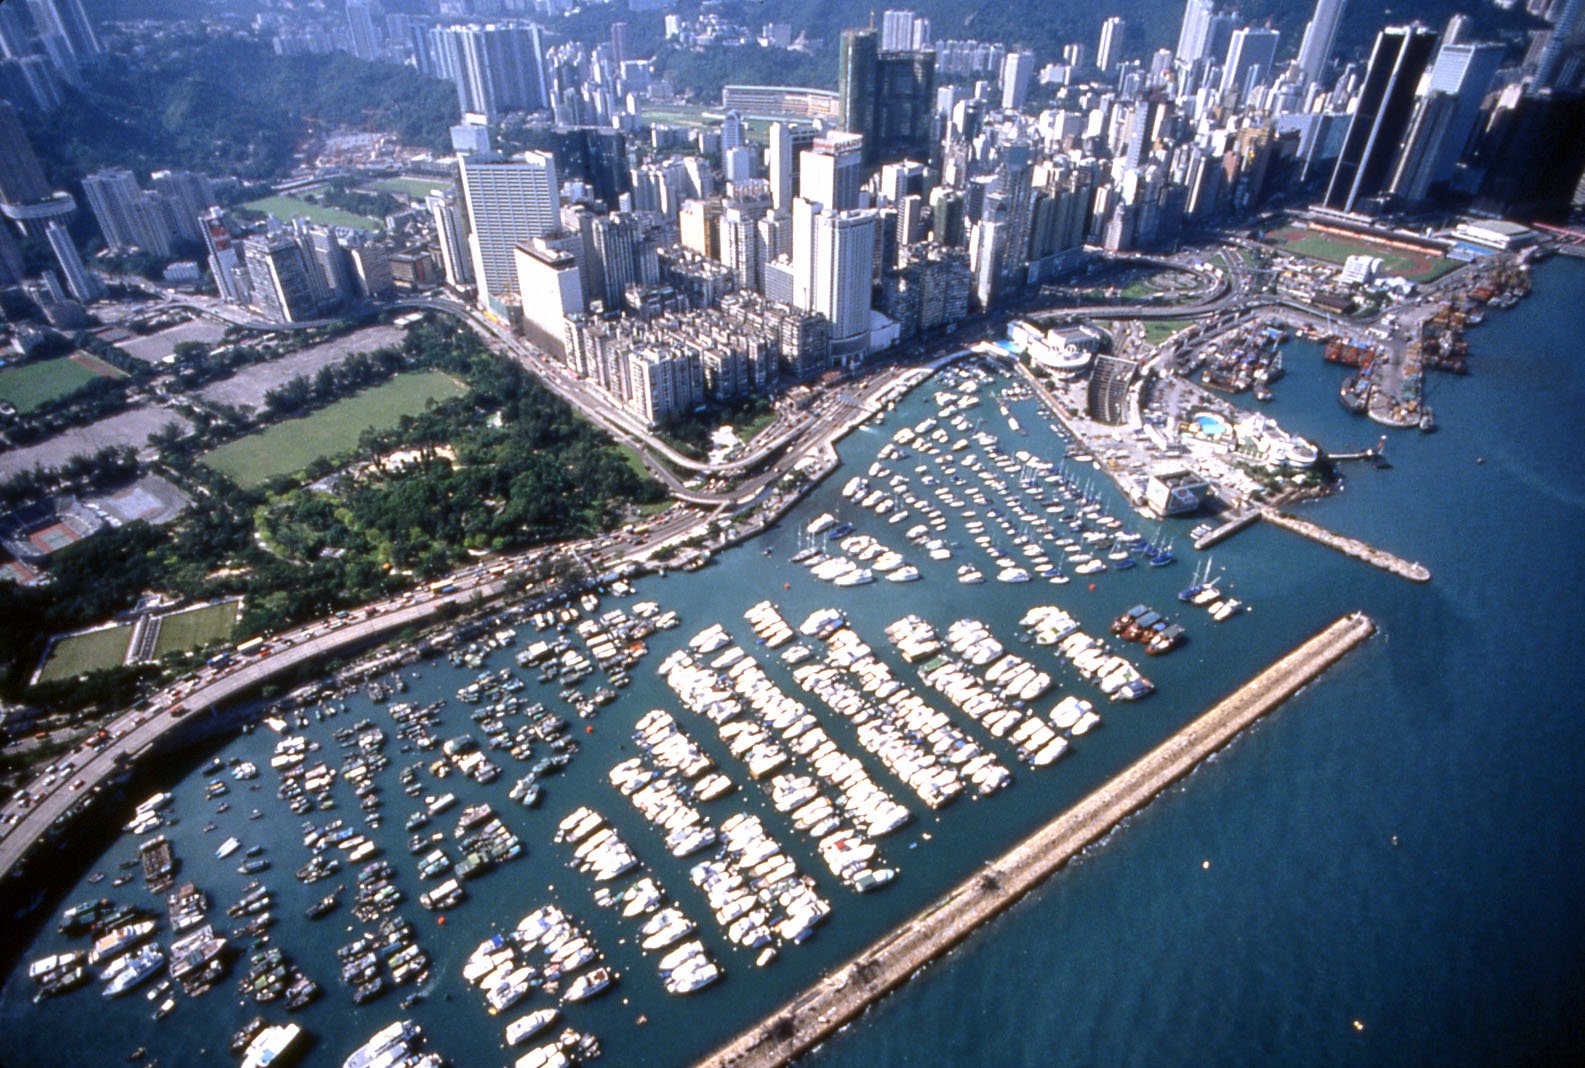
[[246, 388], [155, 347], [131, 427]]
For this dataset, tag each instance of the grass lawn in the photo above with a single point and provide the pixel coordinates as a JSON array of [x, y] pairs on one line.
[[418, 188], [1335, 248], [34, 385], [286, 208], [288, 447], [194, 627], [1158, 330], [83, 653]]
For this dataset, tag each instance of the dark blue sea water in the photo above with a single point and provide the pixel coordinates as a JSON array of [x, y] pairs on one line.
[[1385, 872]]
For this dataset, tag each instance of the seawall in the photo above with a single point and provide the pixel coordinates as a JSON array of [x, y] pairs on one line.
[[843, 994]]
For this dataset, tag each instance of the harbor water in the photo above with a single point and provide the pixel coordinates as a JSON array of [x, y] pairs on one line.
[[1385, 872]]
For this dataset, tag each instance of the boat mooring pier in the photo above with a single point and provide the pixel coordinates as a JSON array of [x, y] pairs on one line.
[[840, 996]]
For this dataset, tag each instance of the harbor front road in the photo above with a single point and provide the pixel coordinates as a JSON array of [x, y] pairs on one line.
[[843, 994]]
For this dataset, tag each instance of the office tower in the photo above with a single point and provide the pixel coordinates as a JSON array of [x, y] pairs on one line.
[[1533, 152], [619, 49], [831, 172], [787, 144], [22, 179], [508, 203], [126, 216], [67, 21], [888, 97], [495, 68], [1567, 30], [30, 83], [552, 290], [1385, 106], [840, 261], [83, 286], [451, 234], [277, 278], [1250, 58], [225, 256], [1444, 118], [470, 138], [900, 179], [1195, 31], [189, 194], [731, 131], [1017, 68], [1320, 35], [1110, 50]]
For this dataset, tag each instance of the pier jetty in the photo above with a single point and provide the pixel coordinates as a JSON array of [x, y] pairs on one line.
[[840, 996], [1227, 529], [1397, 565]]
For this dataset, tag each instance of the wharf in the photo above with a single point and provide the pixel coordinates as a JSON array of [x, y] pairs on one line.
[[839, 997], [1414, 572], [1227, 529]]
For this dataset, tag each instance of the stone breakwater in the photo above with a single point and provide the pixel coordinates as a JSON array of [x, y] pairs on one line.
[[840, 996]]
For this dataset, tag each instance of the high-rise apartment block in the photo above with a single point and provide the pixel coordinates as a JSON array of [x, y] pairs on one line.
[[496, 68], [1320, 37], [509, 202]]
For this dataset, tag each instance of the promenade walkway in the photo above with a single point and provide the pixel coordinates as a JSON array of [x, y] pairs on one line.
[[839, 997]]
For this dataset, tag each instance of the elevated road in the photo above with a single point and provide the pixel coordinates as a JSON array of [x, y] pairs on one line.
[[140, 731]]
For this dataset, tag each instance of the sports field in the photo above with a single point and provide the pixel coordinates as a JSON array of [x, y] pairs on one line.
[[286, 208], [288, 447], [194, 627], [34, 385], [82, 653], [417, 188], [1336, 248]]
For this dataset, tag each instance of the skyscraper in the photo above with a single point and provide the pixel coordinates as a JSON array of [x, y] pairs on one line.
[[495, 68], [1250, 58], [619, 49], [1017, 69], [127, 217], [363, 29], [897, 31], [1320, 34], [83, 286], [189, 195], [831, 172], [788, 142], [1566, 31], [1110, 49], [278, 279], [1386, 104], [844, 256], [451, 233], [509, 202], [1195, 30], [889, 97], [225, 256], [22, 179], [66, 20], [1444, 118]]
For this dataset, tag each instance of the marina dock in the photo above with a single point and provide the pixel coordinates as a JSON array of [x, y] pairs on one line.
[[1227, 530], [842, 995], [1397, 565]]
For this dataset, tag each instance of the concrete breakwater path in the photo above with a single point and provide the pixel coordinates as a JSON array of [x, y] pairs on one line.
[[842, 995]]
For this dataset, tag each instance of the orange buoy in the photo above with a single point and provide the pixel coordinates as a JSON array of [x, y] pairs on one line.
[[588, 730], [441, 920], [1092, 585], [786, 585]]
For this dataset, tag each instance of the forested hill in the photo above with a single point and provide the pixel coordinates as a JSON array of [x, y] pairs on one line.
[[231, 106]]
